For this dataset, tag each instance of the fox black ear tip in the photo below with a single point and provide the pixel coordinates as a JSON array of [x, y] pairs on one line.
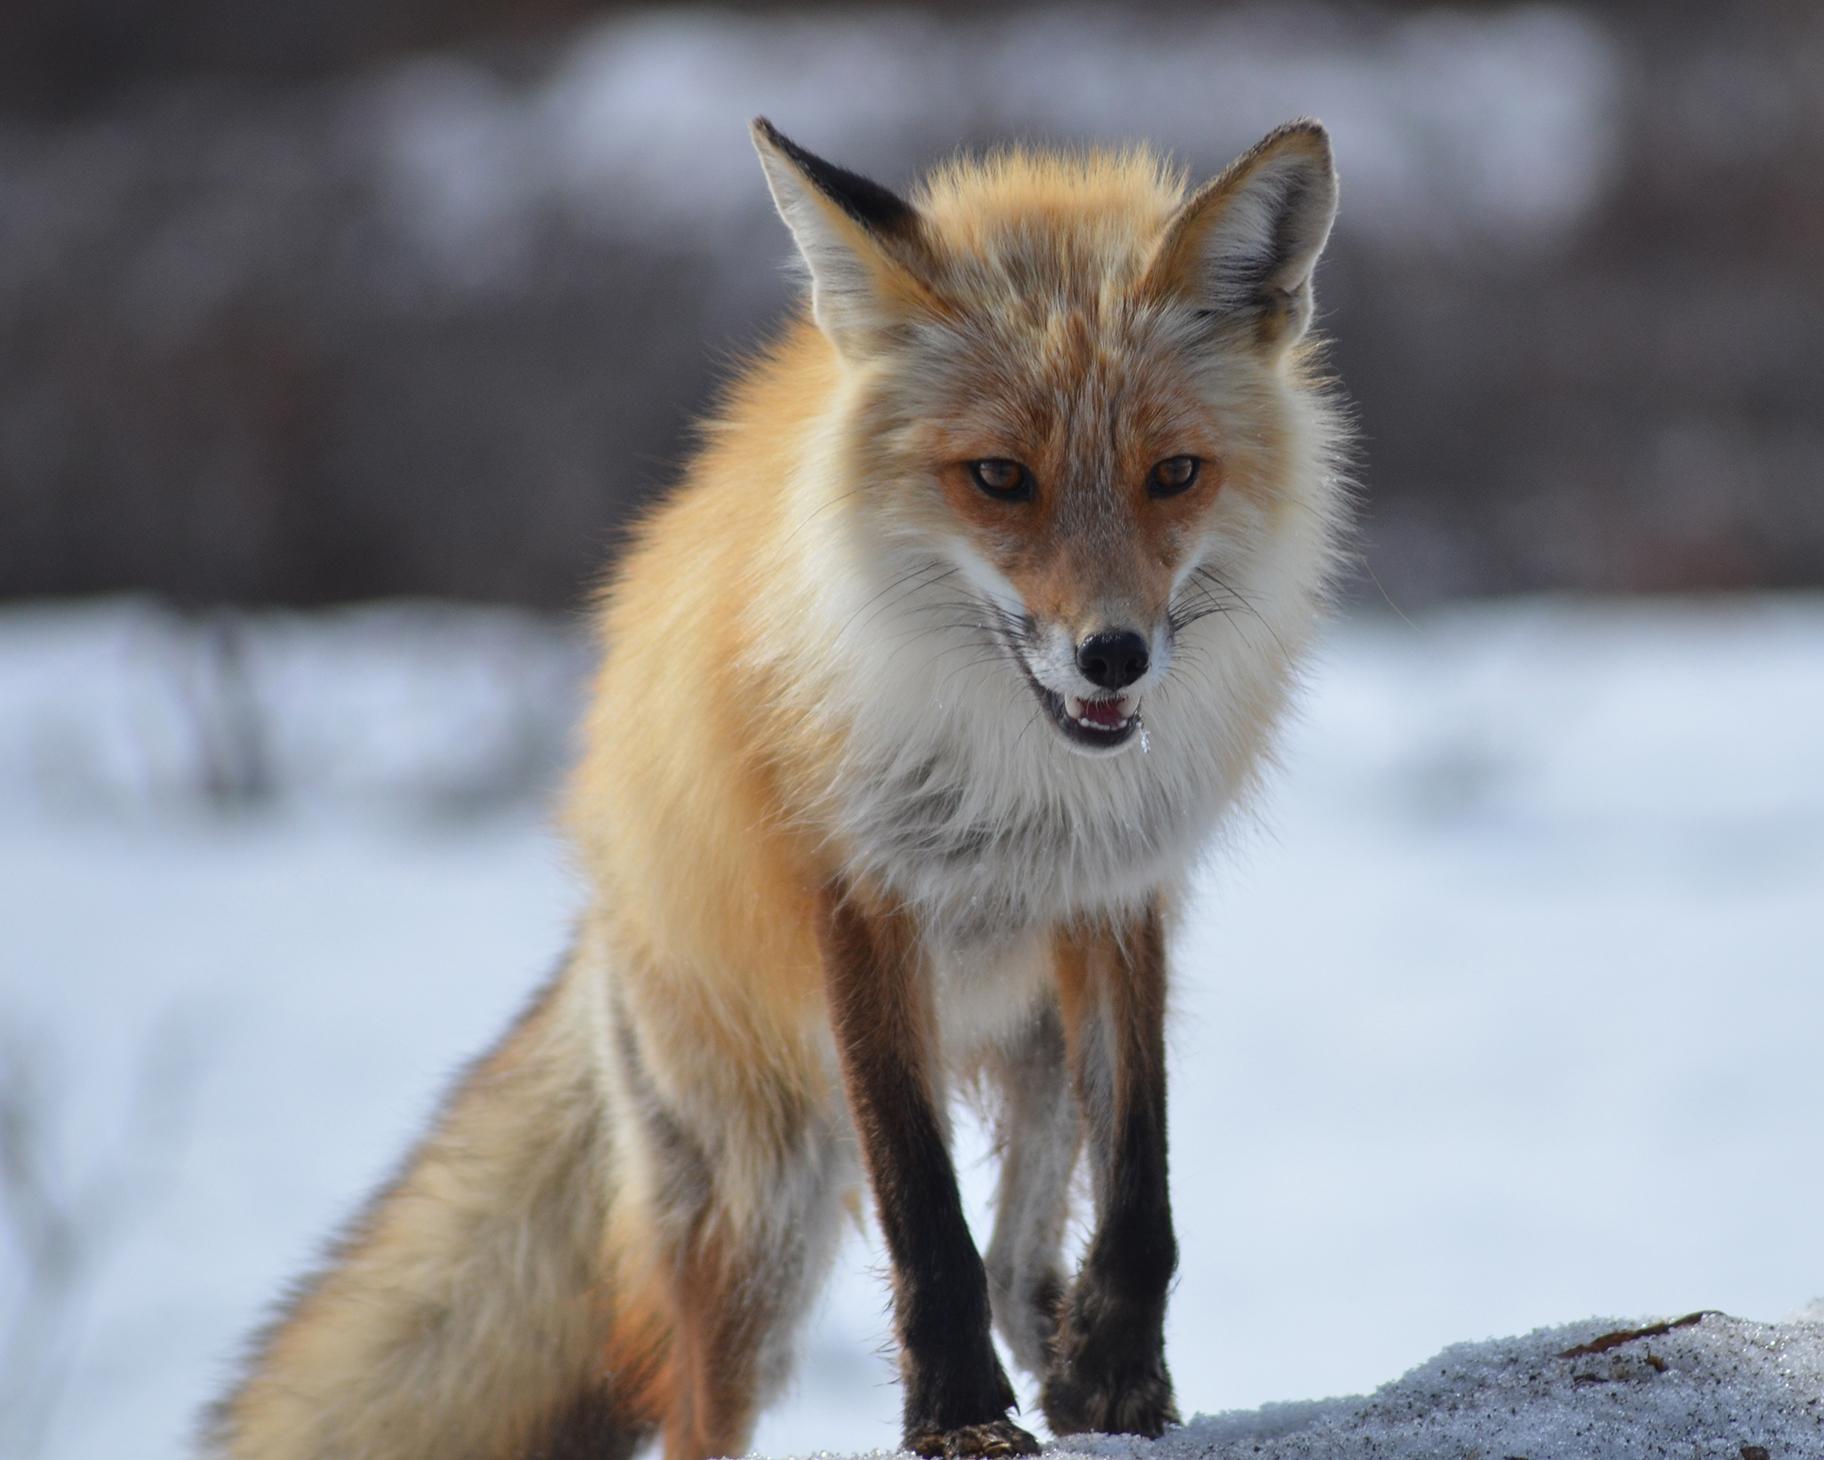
[[763, 130]]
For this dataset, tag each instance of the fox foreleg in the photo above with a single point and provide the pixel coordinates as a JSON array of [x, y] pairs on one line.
[[1107, 1367], [956, 1396]]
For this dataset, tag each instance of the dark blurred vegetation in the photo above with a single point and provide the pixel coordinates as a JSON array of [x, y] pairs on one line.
[[291, 314]]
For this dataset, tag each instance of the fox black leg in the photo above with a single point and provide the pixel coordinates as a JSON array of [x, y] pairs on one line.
[[1107, 1368], [956, 1395]]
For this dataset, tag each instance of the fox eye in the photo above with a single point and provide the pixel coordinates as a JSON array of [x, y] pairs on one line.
[[1004, 480], [1173, 475]]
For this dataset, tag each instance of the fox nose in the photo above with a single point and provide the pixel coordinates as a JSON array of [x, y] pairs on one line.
[[1113, 659]]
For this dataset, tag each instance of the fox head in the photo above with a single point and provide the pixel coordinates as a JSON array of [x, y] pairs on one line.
[[1081, 390]]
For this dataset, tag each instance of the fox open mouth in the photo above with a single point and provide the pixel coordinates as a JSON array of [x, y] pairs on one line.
[[1100, 724]]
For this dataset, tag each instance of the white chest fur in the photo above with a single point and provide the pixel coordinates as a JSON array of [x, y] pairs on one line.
[[981, 817]]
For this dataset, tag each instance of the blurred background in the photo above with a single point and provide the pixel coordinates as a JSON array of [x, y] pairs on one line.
[[419, 297], [338, 341]]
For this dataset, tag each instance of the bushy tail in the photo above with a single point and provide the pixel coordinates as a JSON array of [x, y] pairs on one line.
[[472, 1310]]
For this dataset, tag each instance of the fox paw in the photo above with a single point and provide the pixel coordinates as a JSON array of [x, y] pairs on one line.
[[997, 1437], [1137, 1401]]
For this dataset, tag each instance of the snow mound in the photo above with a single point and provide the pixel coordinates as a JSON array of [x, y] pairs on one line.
[[1700, 1387]]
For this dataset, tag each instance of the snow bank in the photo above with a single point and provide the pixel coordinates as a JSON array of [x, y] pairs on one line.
[[122, 707], [1700, 1387]]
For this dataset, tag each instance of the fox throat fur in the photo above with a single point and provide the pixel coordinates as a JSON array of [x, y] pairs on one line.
[[965, 630]]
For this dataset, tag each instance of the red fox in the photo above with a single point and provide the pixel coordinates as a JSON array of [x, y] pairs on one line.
[[969, 622]]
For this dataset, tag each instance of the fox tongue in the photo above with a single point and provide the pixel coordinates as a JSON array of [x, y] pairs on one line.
[[1106, 713]]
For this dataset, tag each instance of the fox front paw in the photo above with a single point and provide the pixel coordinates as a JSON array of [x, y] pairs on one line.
[[997, 1437], [1130, 1397], [1110, 1404]]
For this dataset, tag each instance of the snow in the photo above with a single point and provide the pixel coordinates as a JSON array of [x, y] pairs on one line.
[[1718, 1388], [1512, 1014]]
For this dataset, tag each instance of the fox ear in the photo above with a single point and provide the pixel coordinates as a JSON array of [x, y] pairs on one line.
[[1243, 246], [854, 235]]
